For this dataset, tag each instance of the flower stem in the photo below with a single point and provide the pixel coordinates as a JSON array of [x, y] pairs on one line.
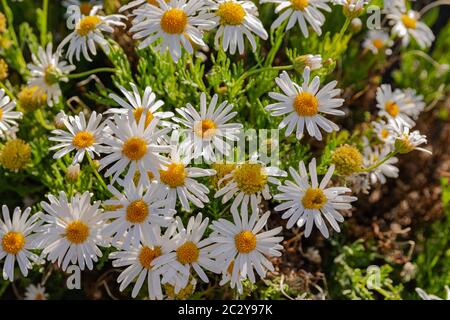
[[376, 165], [44, 23], [41, 119], [8, 92], [97, 175], [433, 5], [89, 72], [256, 71]]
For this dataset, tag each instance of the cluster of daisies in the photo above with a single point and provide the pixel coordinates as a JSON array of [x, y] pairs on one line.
[[148, 155]]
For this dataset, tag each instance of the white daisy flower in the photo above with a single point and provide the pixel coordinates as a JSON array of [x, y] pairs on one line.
[[304, 105], [388, 169], [177, 181], [377, 41], [85, 5], [236, 19], [33, 292], [303, 12], [352, 8], [406, 24], [133, 145], [139, 261], [208, 131], [141, 105], [47, 70], [393, 106], [81, 136], [73, 230], [178, 24], [407, 141], [190, 250], [7, 116], [309, 203], [243, 247], [246, 183], [134, 212], [384, 131], [88, 31], [17, 240]]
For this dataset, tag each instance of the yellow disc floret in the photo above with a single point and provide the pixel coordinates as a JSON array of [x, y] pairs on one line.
[[299, 4], [134, 148], [31, 98], [347, 159], [409, 22], [77, 232], [15, 154], [174, 21], [137, 211], [231, 13], [87, 25], [205, 128], [245, 241], [250, 177], [188, 253], [174, 176], [314, 198], [306, 105], [147, 255], [392, 108], [83, 139], [13, 242], [3, 69]]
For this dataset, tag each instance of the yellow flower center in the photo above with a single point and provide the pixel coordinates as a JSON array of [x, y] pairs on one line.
[[3, 69], [384, 133], [50, 75], [250, 177], [77, 232], [299, 4], [392, 108], [347, 160], [174, 21], [188, 253], [222, 169], [205, 128], [314, 199], [174, 176], [137, 211], [1, 114], [245, 241], [31, 98], [87, 25], [378, 43], [13, 242], [15, 154], [83, 139], [409, 22], [85, 8], [134, 148], [147, 255], [306, 105], [231, 13], [138, 114]]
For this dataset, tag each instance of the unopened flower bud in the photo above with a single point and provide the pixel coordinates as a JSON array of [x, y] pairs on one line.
[[347, 159], [58, 121], [73, 172], [356, 25], [314, 62]]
